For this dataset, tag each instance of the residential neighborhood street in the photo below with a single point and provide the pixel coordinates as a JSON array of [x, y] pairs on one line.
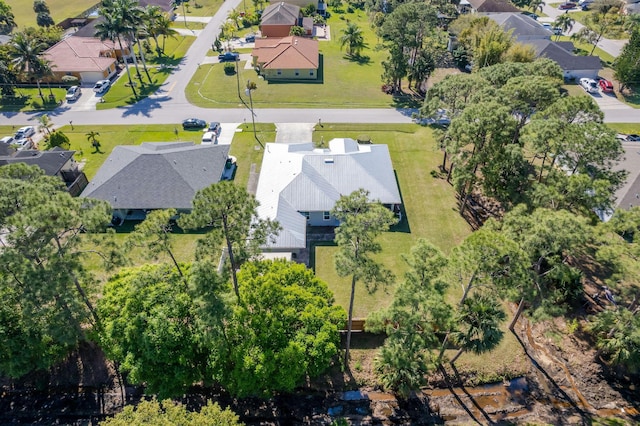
[[169, 104]]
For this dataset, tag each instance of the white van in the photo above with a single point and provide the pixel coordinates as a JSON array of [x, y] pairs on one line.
[[209, 138]]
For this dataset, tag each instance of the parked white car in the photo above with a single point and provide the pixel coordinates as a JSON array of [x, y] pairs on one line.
[[589, 85], [102, 86], [7, 140], [22, 144], [73, 93], [25, 132], [209, 138]]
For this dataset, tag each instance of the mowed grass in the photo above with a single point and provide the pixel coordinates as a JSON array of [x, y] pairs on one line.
[[30, 100], [342, 82], [248, 151], [60, 10], [586, 48], [430, 204], [201, 8]]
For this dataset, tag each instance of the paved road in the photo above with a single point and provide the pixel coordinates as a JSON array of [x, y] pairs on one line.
[[169, 104]]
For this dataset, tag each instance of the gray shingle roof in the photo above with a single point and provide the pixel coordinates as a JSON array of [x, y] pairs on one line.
[[493, 6], [157, 175], [523, 26], [562, 54], [50, 161], [280, 14]]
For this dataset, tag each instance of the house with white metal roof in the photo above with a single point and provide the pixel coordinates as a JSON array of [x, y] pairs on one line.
[[300, 184]]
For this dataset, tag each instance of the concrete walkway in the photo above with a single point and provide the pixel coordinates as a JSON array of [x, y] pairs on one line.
[[294, 132]]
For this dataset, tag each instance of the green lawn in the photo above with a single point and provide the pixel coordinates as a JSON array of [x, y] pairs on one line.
[[201, 8], [615, 32], [627, 128], [60, 10], [29, 99], [430, 205], [342, 82], [585, 49], [179, 23], [174, 50], [247, 151]]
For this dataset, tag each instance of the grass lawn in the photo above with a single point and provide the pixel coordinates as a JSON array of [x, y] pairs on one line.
[[430, 205], [178, 23], [247, 151], [60, 10], [627, 128], [29, 100], [585, 49], [200, 8], [342, 82], [174, 50]]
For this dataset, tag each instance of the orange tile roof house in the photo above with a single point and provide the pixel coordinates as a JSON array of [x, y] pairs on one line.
[[88, 58], [278, 18], [287, 58]]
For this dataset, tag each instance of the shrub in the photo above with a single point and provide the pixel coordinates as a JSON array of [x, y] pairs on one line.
[[58, 139], [229, 68], [71, 80]]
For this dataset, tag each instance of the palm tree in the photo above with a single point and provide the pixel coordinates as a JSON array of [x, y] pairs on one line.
[[131, 14], [353, 38], [164, 29], [176, 3], [536, 5], [234, 16], [7, 19], [91, 136], [564, 22], [44, 123], [24, 51], [111, 28], [151, 17], [479, 316]]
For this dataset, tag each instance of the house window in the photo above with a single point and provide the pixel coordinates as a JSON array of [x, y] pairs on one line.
[[311, 73], [279, 72], [326, 215], [305, 214], [297, 73]]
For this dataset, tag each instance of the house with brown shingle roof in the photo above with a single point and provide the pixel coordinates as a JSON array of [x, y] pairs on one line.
[[87, 58], [278, 18], [287, 58]]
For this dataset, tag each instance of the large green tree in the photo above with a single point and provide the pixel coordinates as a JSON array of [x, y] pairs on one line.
[[353, 38], [150, 330], [230, 213], [25, 49], [361, 221], [627, 65], [283, 330], [7, 18], [48, 299], [414, 323]]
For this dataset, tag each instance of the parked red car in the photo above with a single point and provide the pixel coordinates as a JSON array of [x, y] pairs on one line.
[[567, 6], [605, 86]]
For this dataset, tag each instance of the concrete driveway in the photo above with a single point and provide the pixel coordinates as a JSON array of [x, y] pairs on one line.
[[294, 132]]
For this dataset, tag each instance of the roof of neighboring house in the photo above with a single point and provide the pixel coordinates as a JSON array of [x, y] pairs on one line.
[[165, 5], [297, 177], [89, 30], [157, 175], [4, 39], [81, 54], [562, 54], [522, 25], [493, 6], [280, 14], [290, 52], [51, 161]]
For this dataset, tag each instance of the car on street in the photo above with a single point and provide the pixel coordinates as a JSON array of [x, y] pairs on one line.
[[193, 123], [633, 138], [605, 85], [101, 86], [530, 15], [589, 85], [567, 6], [250, 38], [229, 57], [73, 93], [214, 127], [7, 140], [25, 132]]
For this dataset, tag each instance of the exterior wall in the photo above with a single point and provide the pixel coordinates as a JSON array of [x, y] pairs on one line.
[[275, 30], [317, 219], [290, 74], [578, 74], [91, 76]]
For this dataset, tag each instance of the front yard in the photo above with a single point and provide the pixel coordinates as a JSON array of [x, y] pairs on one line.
[[342, 82]]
